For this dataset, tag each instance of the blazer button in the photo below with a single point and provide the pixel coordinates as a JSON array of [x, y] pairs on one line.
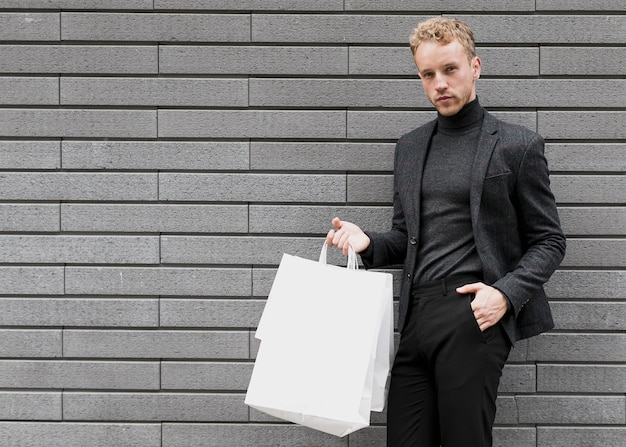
[[413, 241]]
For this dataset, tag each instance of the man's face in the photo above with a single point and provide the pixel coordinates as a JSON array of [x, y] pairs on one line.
[[449, 79]]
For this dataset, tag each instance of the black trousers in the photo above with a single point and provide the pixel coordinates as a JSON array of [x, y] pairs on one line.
[[445, 376]]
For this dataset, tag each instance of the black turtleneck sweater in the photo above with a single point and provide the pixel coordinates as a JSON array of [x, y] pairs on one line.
[[446, 240]]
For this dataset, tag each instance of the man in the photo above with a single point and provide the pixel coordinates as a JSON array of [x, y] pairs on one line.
[[476, 227]]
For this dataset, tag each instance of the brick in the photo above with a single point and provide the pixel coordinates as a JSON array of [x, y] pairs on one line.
[[250, 124], [589, 316], [526, 119], [27, 405], [29, 26], [17, 217], [509, 61], [29, 91], [587, 189], [519, 352], [306, 156], [155, 344], [573, 5], [554, 410], [155, 27], [79, 249], [55, 434], [394, 124], [315, 219], [445, 5], [392, 93], [239, 250], [551, 92], [609, 379], [368, 436], [79, 374], [154, 407], [506, 410], [262, 279], [384, 61], [216, 376], [518, 379], [316, 28], [76, 59], [514, 436], [155, 155], [246, 5], [598, 61], [335, 93], [581, 125], [539, 28], [253, 60], [580, 436], [153, 218], [158, 281], [77, 4], [30, 154], [588, 221], [228, 435], [125, 312], [257, 416], [370, 188], [30, 343], [554, 347], [587, 284], [376, 420], [78, 186], [154, 92], [78, 123], [381, 61], [605, 157], [595, 253], [385, 124], [252, 187], [210, 313], [32, 280]]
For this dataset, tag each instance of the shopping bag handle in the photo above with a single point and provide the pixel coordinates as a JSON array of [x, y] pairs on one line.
[[353, 263]]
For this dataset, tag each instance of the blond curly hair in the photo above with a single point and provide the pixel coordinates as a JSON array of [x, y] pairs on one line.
[[443, 30]]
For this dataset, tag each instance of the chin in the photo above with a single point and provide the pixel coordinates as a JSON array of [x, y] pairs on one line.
[[448, 111]]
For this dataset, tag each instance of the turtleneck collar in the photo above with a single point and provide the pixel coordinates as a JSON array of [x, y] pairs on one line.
[[469, 116]]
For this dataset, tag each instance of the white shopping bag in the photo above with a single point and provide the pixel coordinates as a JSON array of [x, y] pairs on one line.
[[326, 344]]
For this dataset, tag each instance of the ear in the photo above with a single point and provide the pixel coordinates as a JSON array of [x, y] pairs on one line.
[[476, 67]]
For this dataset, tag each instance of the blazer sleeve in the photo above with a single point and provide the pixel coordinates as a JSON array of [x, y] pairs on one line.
[[541, 234]]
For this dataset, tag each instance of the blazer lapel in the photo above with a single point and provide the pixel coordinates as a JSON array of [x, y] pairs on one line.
[[486, 144], [414, 172]]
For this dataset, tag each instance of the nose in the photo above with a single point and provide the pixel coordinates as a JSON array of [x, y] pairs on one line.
[[441, 83]]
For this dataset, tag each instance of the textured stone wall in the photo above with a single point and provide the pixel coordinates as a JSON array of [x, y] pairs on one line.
[[158, 157]]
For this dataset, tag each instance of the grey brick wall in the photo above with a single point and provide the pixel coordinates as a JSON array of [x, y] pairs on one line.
[[158, 156]]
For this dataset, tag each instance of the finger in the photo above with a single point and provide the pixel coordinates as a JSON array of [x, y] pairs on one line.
[[469, 288], [329, 237], [337, 237], [343, 242], [336, 222], [486, 325]]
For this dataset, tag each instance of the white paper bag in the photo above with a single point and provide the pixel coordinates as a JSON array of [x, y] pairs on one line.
[[326, 344]]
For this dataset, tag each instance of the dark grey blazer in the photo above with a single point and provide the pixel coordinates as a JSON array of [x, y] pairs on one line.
[[515, 222]]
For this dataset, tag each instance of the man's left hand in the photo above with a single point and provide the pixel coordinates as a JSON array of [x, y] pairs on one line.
[[489, 304]]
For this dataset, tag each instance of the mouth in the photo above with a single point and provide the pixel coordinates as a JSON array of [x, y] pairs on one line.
[[443, 99]]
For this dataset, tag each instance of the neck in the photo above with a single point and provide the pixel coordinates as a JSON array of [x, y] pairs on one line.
[[469, 115]]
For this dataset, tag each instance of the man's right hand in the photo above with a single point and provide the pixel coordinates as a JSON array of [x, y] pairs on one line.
[[347, 234]]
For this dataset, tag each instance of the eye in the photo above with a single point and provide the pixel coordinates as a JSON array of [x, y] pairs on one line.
[[450, 69], [426, 75]]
